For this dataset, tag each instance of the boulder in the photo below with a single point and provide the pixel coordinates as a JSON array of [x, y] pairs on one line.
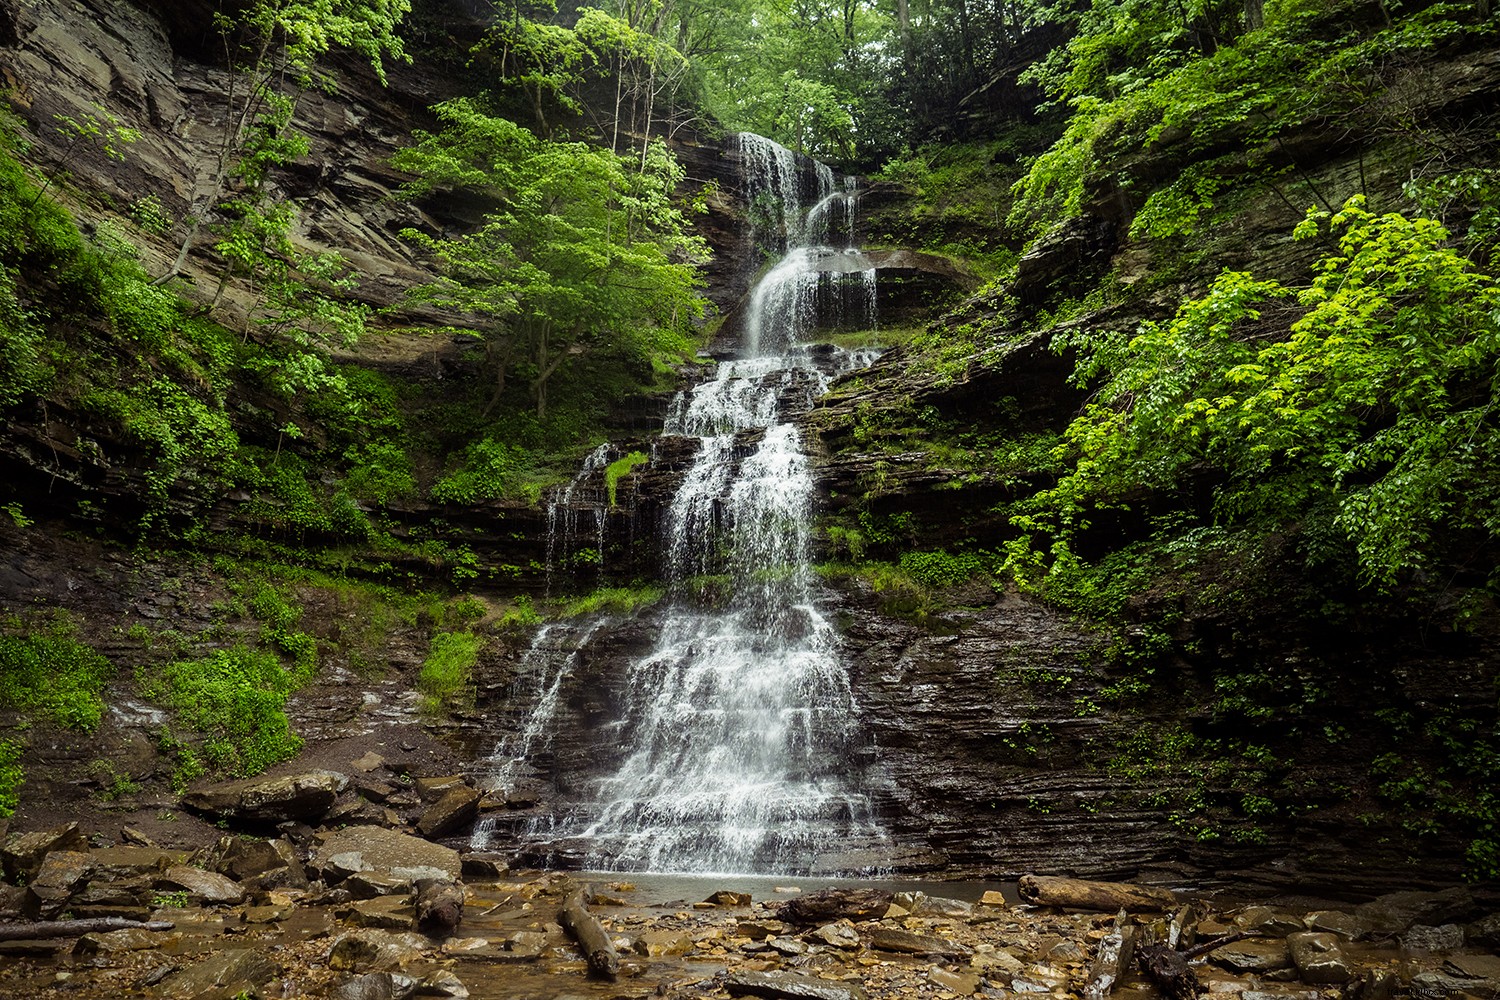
[[759, 930], [1268, 921], [440, 905], [921, 905], [128, 862], [725, 897], [1318, 958], [657, 943], [1485, 932], [837, 935], [128, 939], [1422, 937], [376, 986], [23, 852], [455, 810], [962, 983], [201, 886], [386, 852], [392, 913], [911, 943], [1253, 956], [433, 789], [789, 986], [1395, 912], [375, 950], [372, 884], [60, 875], [1345, 925], [270, 800], [223, 973], [827, 905]]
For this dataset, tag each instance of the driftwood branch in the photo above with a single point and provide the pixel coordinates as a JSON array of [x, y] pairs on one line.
[[1168, 969], [598, 949], [1218, 942], [77, 928]]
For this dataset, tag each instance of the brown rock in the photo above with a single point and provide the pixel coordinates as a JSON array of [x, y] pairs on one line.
[[456, 809], [129, 939], [23, 852], [392, 913], [202, 886], [224, 973], [60, 875], [655, 944], [1253, 956], [375, 950], [433, 789], [911, 943], [1318, 958], [962, 983], [270, 800], [827, 905], [388, 852], [789, 986]]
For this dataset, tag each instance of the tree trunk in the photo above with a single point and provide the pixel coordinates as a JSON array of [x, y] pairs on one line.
[[1077, 894], [598, 950], [77, 928], [1255, 14]]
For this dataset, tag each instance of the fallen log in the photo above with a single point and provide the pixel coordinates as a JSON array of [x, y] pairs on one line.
[[598, 950], [828, 905], [77, 928], [1078, 894]]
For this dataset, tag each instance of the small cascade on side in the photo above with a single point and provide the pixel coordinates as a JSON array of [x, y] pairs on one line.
[[584, 497], [736, 736]]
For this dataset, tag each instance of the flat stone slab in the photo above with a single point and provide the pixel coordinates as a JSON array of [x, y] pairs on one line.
[[911, 943], [790, 986], [388, 852]]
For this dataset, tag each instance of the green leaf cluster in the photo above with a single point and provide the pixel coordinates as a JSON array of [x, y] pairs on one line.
[[45, 670], [1368, 426]]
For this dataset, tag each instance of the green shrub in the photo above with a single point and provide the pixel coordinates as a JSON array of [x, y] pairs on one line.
[[44, 669], [619, 469], [237, 699], [615, 600], [12, 776], [447, 671]]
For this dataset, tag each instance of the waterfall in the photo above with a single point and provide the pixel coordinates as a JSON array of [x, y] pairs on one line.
[[738, 725]]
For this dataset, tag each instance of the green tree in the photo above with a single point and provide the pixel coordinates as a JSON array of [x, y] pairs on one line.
[[583, 251]]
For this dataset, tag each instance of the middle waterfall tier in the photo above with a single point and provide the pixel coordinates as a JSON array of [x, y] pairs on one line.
[[730, 738]]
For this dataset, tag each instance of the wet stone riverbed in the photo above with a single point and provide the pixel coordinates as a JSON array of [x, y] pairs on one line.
[[704, 936]]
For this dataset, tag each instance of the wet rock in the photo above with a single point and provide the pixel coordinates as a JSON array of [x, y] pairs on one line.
[[270, 800], [1375, 984], [788, 947], [828, 905], [434, 789], [1422, 937], [113, 942], [1267, 921], [1395, 912], [1345, 925], [456, 809], [962, 983], [444, 984], [993, 897], [1253, 956], [57, 878], [789, 986], [201, 886], [375, 950], [725, 897], [1485, 933], [387, 852], [127, 862], [921, 905], [837, 935], [1480, 972], [484, 866], [1427, 985], [912, 943], [23, 852], [136, 837], [369, 762], [225, 973], [988, 958], [392, 913], [759, 930], [266, 914], [372, 884], [376, 986], [655, 944], [1318, 958]]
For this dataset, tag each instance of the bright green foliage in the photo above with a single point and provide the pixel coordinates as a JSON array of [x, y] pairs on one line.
[[613, 600], [45, 670], [237, 698], [586, 253], [292, 35], [447, 671], [12, 777], [1376, 412], [619, 469]]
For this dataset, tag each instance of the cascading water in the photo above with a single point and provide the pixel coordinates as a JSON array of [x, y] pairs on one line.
[[738, 724]]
